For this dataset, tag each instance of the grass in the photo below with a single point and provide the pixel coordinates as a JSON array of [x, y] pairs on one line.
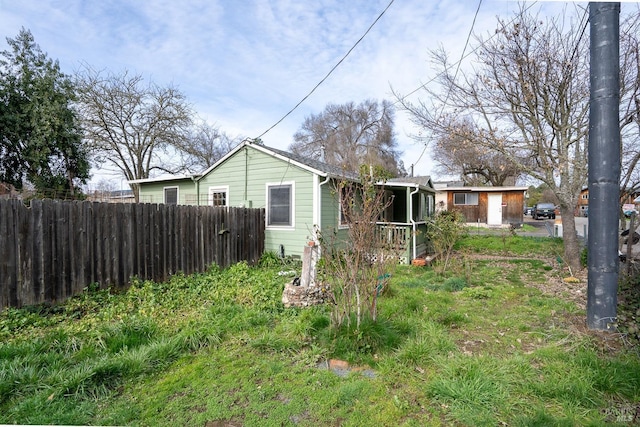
[[481, 344], [506, 244]]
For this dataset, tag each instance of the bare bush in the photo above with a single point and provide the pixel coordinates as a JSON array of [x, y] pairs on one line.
[[357, 269]]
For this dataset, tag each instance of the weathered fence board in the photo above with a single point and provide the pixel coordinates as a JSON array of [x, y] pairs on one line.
[[53, 249]]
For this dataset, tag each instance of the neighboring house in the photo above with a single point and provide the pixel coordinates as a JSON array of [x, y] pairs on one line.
[[115, 196], [583, 203], [172, 190], [492, 206], [122, 196], [299, 197], [631, 198], [441, 193]]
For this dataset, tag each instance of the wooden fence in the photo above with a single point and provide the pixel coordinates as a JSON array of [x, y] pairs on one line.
[[54, 249]]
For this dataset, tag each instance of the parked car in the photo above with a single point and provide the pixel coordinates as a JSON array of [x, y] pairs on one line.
[[628, 209], [528, 210], [543, 210]]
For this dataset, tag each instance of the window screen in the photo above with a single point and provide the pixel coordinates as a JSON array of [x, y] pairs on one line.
[[171, 195], [465, 198], [280, 205]]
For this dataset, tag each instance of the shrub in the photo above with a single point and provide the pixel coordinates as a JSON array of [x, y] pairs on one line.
[[444, 230], [269, 259]]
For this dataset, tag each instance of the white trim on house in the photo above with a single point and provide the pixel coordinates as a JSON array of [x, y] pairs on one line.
[[292, 205], [163, 178], [218, 189], [164, 194], [265, 150], [317, 214]]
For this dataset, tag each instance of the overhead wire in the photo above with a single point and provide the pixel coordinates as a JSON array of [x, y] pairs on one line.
[[584, 21], [330, 71], [423, 85], [462, 56], [457, 64]]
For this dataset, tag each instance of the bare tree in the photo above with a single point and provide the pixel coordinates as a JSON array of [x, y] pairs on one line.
[[529, 92], [104, 189], [459, 152], [133, 126], [351, 135], [630, 103], [205, 145]]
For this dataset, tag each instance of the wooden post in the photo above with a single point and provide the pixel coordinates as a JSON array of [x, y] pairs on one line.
[[630, 236], [309, 259]]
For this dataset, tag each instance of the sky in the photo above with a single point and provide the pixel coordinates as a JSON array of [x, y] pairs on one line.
[[243, 64]]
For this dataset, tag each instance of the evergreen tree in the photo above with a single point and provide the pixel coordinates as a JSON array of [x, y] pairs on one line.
[[40, 135]]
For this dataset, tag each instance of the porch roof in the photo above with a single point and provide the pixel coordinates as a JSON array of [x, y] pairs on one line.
[[421, 182]]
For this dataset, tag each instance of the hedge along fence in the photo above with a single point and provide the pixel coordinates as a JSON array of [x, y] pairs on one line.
[[54, 249]]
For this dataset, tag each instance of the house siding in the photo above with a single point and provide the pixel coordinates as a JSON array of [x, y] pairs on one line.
[[261, 169], [330, 212], [153, 192], [513, 211], [471, 213], [245, 174], [512, 206]]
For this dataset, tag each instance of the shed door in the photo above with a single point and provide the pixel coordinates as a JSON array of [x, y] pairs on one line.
[[494, 209]]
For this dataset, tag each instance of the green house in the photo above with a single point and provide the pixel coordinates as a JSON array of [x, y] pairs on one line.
[[299, 197]]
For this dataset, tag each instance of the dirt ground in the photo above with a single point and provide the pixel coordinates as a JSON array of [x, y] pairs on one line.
[[576, 291]]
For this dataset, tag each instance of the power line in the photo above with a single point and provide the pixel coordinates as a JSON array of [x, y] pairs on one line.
[[584, 21], [462, 56], [422, 86], [330, 71], [457, 63]]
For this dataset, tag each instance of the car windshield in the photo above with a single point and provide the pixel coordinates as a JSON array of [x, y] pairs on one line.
[[545, 206]]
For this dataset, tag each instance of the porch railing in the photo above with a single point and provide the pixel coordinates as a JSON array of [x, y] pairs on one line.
[[393, 236], [398, 237]]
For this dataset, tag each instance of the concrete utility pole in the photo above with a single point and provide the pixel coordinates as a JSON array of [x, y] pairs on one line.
[[604, 166]]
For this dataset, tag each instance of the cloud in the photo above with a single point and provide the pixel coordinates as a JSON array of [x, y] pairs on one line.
[[244, 64]]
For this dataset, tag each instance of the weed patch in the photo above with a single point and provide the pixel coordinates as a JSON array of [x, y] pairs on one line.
[[497, 339]]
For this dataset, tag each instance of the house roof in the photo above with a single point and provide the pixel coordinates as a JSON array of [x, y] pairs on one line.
[[164, 178], [423, 182], [444, 184], [312, 165]]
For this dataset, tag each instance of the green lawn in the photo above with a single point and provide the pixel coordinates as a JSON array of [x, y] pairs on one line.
[[495, 340]]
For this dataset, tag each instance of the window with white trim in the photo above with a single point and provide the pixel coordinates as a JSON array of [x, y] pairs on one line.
[[219, 196], [465, 199], [280, 205], [170, 195]]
